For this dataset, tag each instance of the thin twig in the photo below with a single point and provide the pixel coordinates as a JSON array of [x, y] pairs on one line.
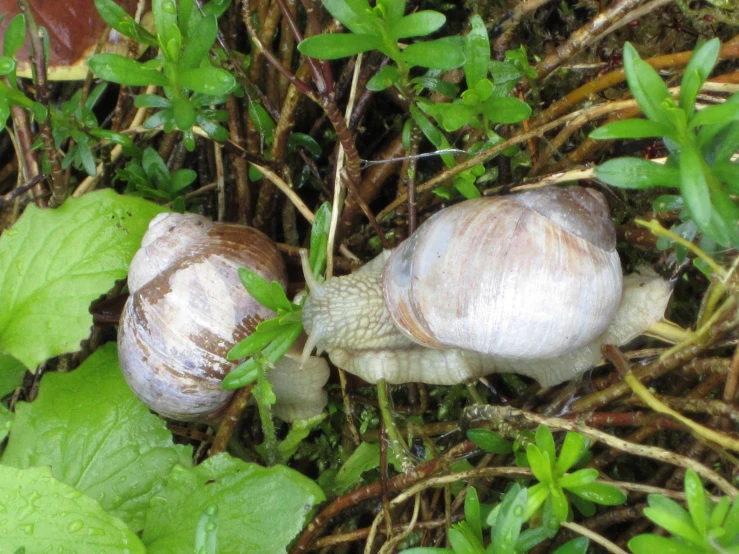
[[58, 182], [593, 536], [624, 368]]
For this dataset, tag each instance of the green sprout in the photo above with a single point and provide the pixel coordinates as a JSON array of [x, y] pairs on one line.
[[380, 28], [507, 535], [706, 527], [15, 36], [701, 145], [184, 68], [557, 484]]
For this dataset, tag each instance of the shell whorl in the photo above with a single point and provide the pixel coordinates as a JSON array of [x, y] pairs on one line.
[[188, 308], [525, 276]]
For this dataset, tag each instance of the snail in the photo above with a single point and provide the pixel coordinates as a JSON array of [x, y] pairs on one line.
[[187, 308], [529, 283]]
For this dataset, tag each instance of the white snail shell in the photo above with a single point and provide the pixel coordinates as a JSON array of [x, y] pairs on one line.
[[529, 283], [188, 308], [531, 275]]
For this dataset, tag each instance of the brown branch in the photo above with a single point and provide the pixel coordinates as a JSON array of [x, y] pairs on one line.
[[58, 182], [374, 490]]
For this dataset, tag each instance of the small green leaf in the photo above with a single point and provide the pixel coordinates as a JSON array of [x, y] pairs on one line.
[[724, 219], [262, 121], [472, 512], [337, 45], [540, 463], [244, 374], [720, 113], [393, 9], [434, 135], [646, 85], [545, 442], [259, 288], [125, 71], [121, 21], [199, 43], [165, 22], [637, 173], [731, 524], [679, 526], [578, 479], [443, 53], [649, 544], [697, 71], [600, 493], [208, 80], [151, 101], [506, 109], [575, 546], [417, 24], [489, 441], [182, 178], [216, 7], [301, 140], [466, 187], [538, 494], [184, 113], [366, 457], [254, 343], [461, 542], [630, 129], [353, 14], [559, 502], [476, 52], [696, 500], [574, 447], [455, 116], [728, 172], [15, 35], [694, 186], [384, 78], [507, 526], [585, 507], [319, 240]]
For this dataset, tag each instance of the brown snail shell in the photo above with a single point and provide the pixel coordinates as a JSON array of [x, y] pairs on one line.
[[188, 308]]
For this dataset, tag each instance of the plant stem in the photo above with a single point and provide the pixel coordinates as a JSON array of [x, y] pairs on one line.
[[400, 449], [261, 393]]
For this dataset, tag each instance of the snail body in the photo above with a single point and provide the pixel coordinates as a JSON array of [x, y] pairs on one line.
[[187, 308], [530, 283]]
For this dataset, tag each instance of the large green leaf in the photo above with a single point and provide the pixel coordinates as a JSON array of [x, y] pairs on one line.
[[41, 514], [54, 263], [97, 437], [257, 509], [6, 421]]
